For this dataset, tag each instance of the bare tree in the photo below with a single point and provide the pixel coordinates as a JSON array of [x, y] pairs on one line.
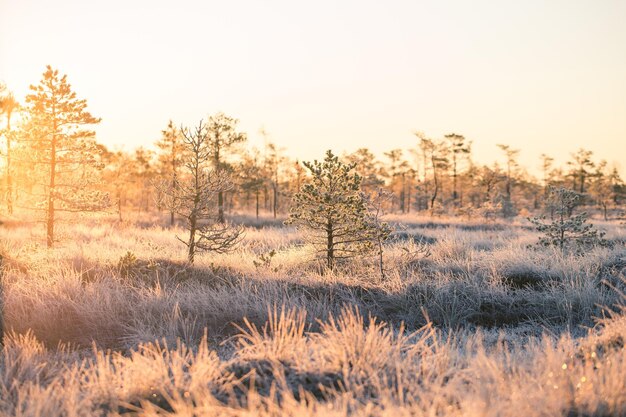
[[194, 193]]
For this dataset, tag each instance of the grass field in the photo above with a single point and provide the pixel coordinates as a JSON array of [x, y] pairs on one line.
[[468, 321]]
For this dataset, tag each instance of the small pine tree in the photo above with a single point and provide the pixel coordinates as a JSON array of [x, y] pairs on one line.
[[170, 156], [221, 137], [567, 229], [334, 212]]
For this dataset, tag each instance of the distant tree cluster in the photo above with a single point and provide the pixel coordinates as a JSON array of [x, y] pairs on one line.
[[51, 163]]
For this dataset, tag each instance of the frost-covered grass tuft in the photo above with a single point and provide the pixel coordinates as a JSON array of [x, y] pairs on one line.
[[468, 321]]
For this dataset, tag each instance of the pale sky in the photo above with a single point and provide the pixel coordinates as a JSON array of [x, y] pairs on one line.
[[542, 76]]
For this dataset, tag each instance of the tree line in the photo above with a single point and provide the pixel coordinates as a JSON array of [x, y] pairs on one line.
[[51, 163]]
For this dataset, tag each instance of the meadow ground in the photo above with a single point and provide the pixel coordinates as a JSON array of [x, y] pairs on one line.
[[468, 321]]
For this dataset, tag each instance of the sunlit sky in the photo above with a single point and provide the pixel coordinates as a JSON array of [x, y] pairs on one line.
[[542, 76]]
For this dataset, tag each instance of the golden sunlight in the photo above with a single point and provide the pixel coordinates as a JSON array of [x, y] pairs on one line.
[[279, 208]]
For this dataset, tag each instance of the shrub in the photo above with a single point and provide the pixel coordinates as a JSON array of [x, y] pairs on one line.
[[127, 264]]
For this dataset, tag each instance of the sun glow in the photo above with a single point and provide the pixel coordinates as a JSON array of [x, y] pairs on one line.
[[546, 78]]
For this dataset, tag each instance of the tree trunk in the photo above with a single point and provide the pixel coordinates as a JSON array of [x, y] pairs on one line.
[[173, 187], [434, 196], [50, 213], [582, 182], [220, 207], [119, 205], [8, 168], [1, 301], [191, 245], [193, 222], [508, 183], [257, 204], [192, 218], [454, 175], [381, 264], [275, 204], [408, 205], [330, 246], [402, 195]]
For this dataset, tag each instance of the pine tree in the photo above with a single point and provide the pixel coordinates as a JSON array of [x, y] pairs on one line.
[[457, 146], [193, 197], [273, 161], [117, 174], [508, 209], [144, 174], [170, 156], [394, 174], [251, 178], [8, 105], [581, 165], [602, 189], [333, 211], [567, 229], [368, 169], [436, 156], [221, 137], [546, 164], [63, 151]]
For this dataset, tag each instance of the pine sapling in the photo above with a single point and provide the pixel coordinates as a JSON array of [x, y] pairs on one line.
[[333, 211], [566, 229]]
